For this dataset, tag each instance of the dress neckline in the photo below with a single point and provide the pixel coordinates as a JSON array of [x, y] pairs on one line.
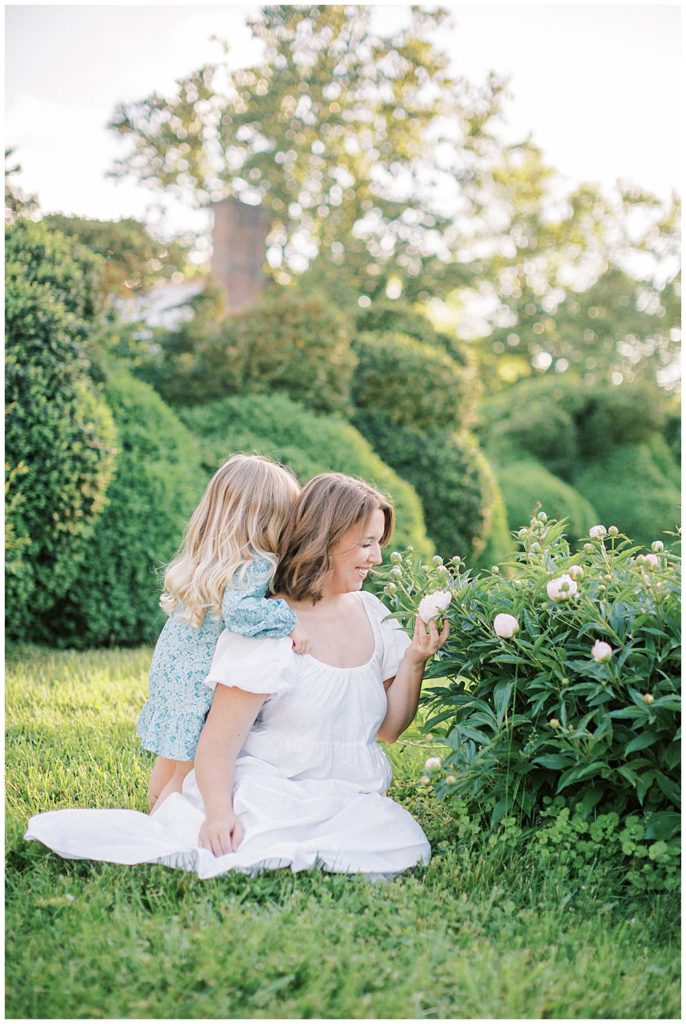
[[352, 668]]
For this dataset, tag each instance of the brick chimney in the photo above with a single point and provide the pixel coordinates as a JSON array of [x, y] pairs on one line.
[[238, 237]]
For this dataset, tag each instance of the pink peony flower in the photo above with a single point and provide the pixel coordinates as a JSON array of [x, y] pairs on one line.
[[601, 651], [433, 604]]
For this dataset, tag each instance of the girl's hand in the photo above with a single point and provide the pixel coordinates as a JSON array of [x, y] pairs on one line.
[[301, 640], [221, 834], [426, 639]]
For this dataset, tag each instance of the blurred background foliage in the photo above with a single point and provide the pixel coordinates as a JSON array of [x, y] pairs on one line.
[[441, 316]]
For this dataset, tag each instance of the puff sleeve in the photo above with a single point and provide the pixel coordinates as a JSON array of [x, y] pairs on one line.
[[247, 610], [256, 665], [394, 639]]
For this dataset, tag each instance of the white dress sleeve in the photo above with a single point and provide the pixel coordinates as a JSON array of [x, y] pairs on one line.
[[257, 665], [394, 639]]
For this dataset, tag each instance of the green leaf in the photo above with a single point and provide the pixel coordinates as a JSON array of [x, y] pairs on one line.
[[501, 698], [641, 742]]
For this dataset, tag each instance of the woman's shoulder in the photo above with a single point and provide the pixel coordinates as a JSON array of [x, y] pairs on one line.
[[373, 605]]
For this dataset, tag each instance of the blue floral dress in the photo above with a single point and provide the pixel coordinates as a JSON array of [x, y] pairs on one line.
[[178, 699]]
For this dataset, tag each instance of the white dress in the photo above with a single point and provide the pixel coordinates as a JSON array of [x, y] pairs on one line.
[[309, 784]]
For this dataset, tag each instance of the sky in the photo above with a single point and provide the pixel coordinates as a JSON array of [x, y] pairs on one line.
[[597, 86]]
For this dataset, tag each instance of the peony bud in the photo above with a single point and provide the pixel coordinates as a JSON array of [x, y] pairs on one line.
[[495, 569], [612, 531], [648, 698], [588, 548], [390, 589], [597, 532], [432, 763], [554, 723], [543, 517], [396, 572], [437, 560], [657, 546], [396, 557], [505, 626], [425, 780], [575, 571], [601, 652], [433, 604], [652, 561], [561, 588], [450, 779]]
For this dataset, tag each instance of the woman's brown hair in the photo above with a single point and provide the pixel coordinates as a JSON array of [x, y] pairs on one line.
[[328, 506]]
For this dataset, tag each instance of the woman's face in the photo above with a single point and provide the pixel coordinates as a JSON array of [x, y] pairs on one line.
[[354, 555]]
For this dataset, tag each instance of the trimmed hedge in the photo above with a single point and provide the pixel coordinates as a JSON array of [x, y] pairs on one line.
[[629, 489], [158, 482], [388, 316], [452, 477], [524, 483], [561, 422], [308, 444], [411, 383], [287, 342], [59, 437]]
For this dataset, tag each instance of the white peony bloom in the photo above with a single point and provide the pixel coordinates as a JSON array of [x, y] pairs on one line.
[[505, 625], [433, 604], [597, 532], [601, 651], [561, 587]]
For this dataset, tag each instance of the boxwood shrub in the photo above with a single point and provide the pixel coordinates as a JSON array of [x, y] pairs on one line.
[[452, 477], [59, 434], [308, 444], [159, 479]]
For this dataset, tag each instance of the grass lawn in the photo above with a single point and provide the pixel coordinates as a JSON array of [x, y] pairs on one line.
[[487, 930]]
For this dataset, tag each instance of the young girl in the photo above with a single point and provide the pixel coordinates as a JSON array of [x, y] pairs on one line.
[[219, 580]]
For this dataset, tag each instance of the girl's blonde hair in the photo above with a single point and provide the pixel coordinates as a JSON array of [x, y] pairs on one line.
[[328, 506], [243, 512]]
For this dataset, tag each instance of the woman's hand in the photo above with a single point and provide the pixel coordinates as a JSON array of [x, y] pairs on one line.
[[426, 639], [221, 834]]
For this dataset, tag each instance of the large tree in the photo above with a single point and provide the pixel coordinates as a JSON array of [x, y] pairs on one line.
[[357, 143]]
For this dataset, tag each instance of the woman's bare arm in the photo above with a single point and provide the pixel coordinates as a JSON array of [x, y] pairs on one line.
[[403, 691], [230, 718]]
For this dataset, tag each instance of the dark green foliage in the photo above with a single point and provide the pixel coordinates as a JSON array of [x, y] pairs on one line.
[[628, 487], [561, 421], [59, 434], [158, 482], [499, 542], [287, 342], [536, 716], [454, 482], [309, 444], [526, 484], [411, 383]]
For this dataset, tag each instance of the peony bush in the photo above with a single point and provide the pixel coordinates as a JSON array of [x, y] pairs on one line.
[[561, 676]]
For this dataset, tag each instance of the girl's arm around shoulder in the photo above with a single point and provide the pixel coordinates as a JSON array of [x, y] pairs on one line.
[[247, 610]]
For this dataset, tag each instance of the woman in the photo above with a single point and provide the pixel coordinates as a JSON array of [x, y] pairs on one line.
[[288, 772]]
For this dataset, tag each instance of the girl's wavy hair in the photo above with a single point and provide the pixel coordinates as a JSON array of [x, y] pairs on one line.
[[328, 506], [243, 512]]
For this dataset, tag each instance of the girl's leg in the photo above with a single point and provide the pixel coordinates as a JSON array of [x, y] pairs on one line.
[[162, 771], [174, 783]]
